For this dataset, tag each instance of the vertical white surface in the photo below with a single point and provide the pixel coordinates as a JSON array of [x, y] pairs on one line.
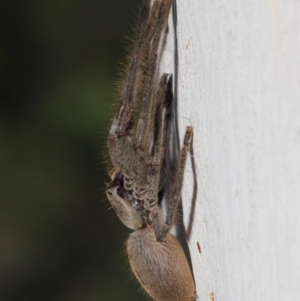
[[239, 87]]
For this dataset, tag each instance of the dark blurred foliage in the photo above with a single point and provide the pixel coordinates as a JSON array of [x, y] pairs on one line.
[[59, 60]]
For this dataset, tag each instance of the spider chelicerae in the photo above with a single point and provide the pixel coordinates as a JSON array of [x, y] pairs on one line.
[[137, 151]]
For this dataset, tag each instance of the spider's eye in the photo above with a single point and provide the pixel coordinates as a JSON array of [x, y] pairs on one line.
[[109, 192]]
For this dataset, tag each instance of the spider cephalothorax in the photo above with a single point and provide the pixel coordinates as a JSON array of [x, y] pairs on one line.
[[137, 151]]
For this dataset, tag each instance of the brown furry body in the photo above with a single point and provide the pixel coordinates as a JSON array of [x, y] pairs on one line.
[[160, 267]]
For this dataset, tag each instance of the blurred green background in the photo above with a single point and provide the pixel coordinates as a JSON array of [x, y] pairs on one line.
[[59, 61]]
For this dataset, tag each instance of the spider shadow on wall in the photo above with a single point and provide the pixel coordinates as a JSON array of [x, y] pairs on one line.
[[183, 234]]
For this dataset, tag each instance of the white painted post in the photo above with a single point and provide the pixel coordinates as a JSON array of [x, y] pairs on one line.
[[239, 87]]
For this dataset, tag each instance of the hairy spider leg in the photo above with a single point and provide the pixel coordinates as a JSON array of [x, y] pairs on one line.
[[148, 101], [149, 105], [133, 81], [160, 225], [156, 149], [119, 139], [174, 196]]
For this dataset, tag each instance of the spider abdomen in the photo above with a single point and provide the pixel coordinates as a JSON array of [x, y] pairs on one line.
[[160, 267]]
